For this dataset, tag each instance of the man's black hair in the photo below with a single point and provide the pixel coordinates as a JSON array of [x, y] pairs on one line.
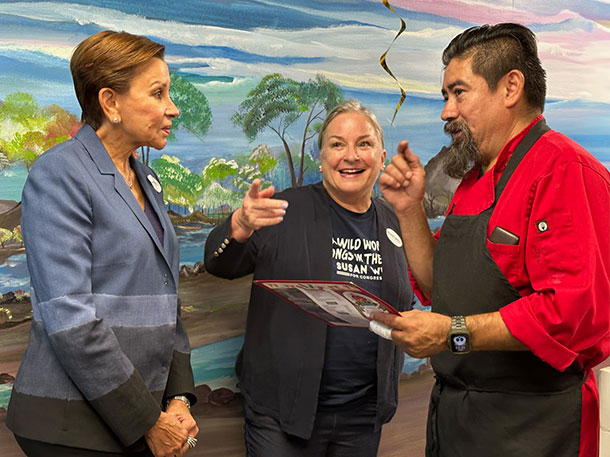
[[498, 49]]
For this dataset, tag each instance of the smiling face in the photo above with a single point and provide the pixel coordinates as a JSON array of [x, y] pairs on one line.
[[470, 103], [146, 110], [352, 157]]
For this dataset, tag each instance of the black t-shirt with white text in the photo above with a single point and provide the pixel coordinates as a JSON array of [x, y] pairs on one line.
[[349, 377]]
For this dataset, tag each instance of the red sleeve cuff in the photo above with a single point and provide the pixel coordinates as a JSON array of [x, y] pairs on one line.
[[524, 326], [422, 298]]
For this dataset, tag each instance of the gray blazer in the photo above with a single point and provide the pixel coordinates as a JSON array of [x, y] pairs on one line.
[[106, 342]]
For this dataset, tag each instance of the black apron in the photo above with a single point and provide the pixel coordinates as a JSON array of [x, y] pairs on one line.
[[494, 403]]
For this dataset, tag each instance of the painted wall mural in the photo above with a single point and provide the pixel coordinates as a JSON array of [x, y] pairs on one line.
[[225, 58]]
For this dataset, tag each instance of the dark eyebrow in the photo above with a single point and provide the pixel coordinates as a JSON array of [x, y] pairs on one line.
[[450, 87]]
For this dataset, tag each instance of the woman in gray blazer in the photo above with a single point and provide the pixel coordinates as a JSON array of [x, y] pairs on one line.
[[107, 370]]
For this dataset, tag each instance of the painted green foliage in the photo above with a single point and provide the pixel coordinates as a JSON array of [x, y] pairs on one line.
[[195, 114], [227, 181], [218, 170], [27, 129], [262, 158], [278, 103], [10, 237], [222, 182], [180, 185]]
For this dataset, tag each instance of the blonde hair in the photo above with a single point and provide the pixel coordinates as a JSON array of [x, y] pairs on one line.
[[350, 106]]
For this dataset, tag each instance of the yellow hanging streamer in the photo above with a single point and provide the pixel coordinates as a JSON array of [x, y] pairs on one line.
[[383, 63]]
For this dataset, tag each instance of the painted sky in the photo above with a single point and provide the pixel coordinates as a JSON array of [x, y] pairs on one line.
[[299, 38]]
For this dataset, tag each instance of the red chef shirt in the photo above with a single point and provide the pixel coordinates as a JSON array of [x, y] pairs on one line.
[[558, 203]]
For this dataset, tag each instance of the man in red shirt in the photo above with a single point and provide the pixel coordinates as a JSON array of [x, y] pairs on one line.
[[518, 278]]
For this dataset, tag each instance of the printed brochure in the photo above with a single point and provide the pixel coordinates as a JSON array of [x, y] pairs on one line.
[[338, 303]]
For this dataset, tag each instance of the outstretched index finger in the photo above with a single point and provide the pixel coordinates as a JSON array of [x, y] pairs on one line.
[[254, 188], [411, 158]]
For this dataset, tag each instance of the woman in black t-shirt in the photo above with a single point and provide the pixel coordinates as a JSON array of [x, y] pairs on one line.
[[311, 389]]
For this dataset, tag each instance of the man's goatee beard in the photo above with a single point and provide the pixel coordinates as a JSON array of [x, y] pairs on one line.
[[462, 155]]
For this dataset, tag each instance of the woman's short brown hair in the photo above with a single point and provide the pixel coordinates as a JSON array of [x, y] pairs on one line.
[[107, 59]]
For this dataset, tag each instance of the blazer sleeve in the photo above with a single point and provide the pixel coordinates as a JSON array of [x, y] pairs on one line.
[[57, 222], [180, 380], [227, 258]]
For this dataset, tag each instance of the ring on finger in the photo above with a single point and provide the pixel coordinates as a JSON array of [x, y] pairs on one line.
[[191, 441]]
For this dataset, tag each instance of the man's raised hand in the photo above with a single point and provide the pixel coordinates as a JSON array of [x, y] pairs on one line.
[[403, 182]]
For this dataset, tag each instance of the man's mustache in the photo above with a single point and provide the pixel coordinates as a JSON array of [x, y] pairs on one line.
[[453, 127]]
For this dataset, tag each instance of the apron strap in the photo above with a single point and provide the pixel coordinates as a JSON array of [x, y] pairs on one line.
[[525, 145]]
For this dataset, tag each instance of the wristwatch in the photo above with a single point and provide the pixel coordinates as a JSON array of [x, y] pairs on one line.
[[458, 338], [183, 398]]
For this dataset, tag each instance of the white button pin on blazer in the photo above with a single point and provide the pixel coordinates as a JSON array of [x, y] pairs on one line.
[[154, 183]]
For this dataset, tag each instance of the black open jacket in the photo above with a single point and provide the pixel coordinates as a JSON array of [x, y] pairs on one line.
[[280, 365]]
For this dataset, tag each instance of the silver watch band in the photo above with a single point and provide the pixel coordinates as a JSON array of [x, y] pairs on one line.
[[182, 398]]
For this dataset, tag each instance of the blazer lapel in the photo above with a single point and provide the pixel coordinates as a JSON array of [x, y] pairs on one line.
[[319, 237], [148, 183], [87, 136]]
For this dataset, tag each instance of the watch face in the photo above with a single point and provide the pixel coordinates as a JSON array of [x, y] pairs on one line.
[[459, 343]]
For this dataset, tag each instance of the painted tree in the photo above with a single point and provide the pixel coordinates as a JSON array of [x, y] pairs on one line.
[[5, 236], [63, 124], [4, 162], [219, 191], [278, 103], [319, 96], [17, 236], [195, 115], [180, 185], [231, 179], [218, 170], [20, 108], [26, 147], [262, 158], [27, 129], [215, 197]]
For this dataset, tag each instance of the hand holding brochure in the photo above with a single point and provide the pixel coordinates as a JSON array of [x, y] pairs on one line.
[[339, 303]]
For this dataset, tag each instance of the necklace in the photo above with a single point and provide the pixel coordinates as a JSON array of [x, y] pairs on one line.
[[130, 183]]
